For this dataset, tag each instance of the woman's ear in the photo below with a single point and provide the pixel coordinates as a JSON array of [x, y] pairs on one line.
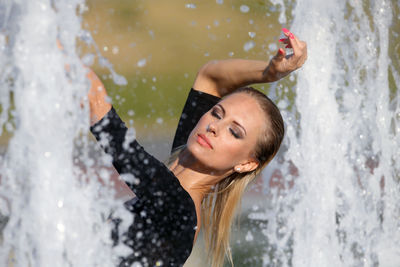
[[247, 166]]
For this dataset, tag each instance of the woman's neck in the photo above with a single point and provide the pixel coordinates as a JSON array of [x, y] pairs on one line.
[[194, 177]]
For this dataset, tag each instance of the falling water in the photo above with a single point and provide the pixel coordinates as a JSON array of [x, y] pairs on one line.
[[57, 213], [343, 136], [341, 206]]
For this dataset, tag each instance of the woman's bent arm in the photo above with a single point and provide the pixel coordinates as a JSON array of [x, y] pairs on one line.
[[220, 77], [224, 76]]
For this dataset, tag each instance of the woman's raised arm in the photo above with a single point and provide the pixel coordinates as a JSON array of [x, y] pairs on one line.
[[99, 105], [220, 77]]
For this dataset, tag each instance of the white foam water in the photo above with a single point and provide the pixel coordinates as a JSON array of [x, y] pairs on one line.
[[341, 206], [57, 211]]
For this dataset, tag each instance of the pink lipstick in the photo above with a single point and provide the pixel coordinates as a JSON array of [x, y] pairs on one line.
[[203, 140]]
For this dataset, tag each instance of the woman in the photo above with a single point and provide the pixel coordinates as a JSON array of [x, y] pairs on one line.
[[219, 147]]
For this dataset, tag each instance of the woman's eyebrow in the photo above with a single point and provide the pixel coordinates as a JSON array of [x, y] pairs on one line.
[[235, 122], [222, 108]]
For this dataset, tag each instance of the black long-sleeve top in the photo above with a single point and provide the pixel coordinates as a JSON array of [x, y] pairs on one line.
[[165, 219]]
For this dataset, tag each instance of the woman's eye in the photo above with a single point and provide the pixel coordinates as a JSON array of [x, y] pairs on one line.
[[215, 114], [235, 134]]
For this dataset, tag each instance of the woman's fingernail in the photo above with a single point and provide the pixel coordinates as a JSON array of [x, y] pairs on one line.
[[282, 40], [291, 36], [280, 51], [285, 30]]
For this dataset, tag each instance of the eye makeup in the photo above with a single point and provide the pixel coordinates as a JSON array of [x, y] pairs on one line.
[[218, 112]]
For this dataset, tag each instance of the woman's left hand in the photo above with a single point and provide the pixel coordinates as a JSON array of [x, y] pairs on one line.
[[282, 64]]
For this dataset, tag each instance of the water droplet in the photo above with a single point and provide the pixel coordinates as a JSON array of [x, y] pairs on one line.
[[252, 34], [248, 46], [249, 236], [160, 120], [61, 227], [282, 104], [220, 2], [131, 112], [115, 50], [231, 54], [60, 204], [105, 48], [88, 59], [141, 63], [9, 127], [191, 6], [206, 54], [244, 8], [47, 154], [119, 79], [216, 23], [272, 47], [251, 21], [151, 33]]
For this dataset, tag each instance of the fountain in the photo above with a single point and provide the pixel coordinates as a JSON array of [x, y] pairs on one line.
[[341, 205], [57, 211], [338, 204]]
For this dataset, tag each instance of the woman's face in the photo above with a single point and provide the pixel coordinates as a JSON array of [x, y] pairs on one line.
[[225, 137]]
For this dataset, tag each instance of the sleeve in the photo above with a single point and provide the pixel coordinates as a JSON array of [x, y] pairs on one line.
[[143, 173], [196, 105]]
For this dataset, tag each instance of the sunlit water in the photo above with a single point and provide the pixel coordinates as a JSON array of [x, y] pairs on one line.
[[57, 210], [341, 205], [342, 202]]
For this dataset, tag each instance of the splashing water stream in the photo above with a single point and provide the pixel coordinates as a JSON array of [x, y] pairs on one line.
[[57, 214], [343, 209], [343, 133]]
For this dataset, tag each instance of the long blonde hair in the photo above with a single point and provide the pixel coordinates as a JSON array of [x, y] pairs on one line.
[[219, 207]]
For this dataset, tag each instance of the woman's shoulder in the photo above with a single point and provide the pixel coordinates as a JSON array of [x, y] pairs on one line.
[[197, 103]]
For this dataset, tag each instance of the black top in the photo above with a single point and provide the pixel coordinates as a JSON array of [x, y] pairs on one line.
[[165, 219]]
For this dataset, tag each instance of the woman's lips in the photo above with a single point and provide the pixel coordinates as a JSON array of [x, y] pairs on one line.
[[203, 140]]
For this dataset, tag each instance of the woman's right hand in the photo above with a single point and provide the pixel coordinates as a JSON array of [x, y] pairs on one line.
[[282, 64], [98, 99]]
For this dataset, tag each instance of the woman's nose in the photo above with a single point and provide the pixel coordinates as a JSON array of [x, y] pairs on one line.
[[212, 128]]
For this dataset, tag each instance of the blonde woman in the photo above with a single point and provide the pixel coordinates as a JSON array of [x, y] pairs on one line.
[[226, 134]]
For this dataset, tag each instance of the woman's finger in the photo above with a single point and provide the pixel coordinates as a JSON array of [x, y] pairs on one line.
[[286, 32], [281, 54], [293, 41], [299, 51]]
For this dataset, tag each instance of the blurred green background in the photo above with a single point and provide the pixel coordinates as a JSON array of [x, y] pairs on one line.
[[158, 46]]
